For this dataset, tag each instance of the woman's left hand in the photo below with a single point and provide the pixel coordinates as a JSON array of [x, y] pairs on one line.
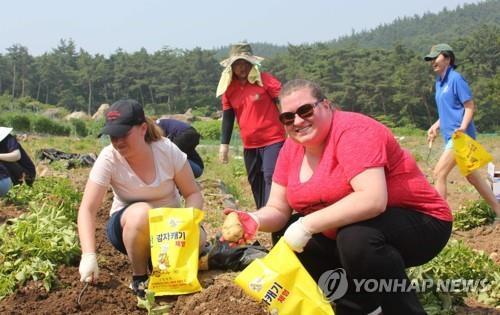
[[297, 235]]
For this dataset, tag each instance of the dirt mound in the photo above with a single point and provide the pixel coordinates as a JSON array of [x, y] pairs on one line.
[[223, 297], [108, 296]]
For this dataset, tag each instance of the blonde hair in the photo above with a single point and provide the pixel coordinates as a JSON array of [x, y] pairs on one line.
[[153, 133]]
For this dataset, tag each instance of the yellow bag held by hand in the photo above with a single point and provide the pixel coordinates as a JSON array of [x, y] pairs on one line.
[[175, 237], [281, 282], [469, 154]]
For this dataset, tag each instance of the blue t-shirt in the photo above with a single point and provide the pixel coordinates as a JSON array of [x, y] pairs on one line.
[[451, 94]]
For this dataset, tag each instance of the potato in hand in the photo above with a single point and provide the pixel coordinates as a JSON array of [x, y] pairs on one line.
[[232, 229]]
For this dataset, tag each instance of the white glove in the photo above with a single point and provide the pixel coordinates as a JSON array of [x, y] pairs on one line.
[[223, 153], [89, 271], [297, 236]]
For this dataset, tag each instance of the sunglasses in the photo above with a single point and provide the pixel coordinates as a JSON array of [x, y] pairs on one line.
[[304, 111]]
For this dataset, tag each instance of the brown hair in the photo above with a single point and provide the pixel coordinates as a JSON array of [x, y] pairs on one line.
[[298, 84], [154, 133], [451, 55]]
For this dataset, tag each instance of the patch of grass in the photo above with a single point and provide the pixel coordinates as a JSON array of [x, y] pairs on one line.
[[408, 131], [233, 174], [65, 144]]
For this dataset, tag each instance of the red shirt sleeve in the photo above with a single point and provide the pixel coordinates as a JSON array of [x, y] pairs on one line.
[[271, 84], [225, 102]]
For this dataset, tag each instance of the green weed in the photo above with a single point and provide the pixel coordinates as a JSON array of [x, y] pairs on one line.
[[472, 214], [32, 245], [459, 262]]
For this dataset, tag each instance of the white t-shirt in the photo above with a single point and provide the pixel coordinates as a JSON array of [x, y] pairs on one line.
[[111, 168]]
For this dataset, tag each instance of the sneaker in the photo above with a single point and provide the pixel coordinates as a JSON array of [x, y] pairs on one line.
[[139, 285]]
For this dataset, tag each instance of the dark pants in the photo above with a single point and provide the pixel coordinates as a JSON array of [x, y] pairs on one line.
[[19, 174], [187, 141], [379, 248], [260, 163]]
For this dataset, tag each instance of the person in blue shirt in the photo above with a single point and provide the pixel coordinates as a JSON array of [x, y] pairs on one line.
[[186, 138], [16, 166], [456, 110]]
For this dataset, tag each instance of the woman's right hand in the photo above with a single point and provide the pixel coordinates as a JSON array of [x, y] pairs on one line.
[[432, 133], [89, 271], [249, 223]]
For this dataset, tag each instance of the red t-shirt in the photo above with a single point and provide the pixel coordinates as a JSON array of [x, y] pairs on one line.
[[255, 110], [354, 144]]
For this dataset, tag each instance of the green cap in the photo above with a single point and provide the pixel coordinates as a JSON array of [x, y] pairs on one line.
[[436, 50]]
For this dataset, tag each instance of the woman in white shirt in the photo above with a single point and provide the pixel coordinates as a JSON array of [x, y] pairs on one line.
[[145, 171]]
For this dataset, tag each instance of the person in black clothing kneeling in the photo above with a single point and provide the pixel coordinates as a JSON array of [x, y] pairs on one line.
[[16, 166], [186, 138]]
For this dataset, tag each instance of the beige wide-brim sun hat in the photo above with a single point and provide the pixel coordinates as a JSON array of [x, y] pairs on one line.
[[241, 51], [4, 132]]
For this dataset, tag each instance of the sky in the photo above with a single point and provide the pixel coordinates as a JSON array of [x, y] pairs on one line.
[[103, 26]]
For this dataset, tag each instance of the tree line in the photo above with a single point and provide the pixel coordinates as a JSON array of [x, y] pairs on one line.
[[396, 85], [392, 84]]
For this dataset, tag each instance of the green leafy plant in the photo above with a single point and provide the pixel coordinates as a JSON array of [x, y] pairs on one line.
[[208, 129], [45, 125], [79, 127], [20, 122], [56, 190], [148, 303], [32, 245], [472, 214], [457, 262]]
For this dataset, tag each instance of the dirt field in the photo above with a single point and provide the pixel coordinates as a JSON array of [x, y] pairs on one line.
[[111, 294]]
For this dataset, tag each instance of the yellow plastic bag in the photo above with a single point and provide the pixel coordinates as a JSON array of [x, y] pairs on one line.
[[469, 154], [175, 236], [281, 282]]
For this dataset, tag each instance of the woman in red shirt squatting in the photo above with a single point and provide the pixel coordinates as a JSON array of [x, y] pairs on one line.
[[346, 195]]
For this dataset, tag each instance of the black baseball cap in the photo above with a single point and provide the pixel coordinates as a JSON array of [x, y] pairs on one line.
[[121, 117]]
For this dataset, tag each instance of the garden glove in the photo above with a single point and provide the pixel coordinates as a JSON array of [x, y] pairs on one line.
[[89, 271], [223, 153], [250, 223], [297, 235]]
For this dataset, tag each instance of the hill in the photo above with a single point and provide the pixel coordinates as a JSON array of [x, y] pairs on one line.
[[417, 32], [420, 32]]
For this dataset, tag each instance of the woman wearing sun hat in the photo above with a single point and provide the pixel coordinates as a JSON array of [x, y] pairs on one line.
[[250, 96], [456, 110], [16, 166]]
